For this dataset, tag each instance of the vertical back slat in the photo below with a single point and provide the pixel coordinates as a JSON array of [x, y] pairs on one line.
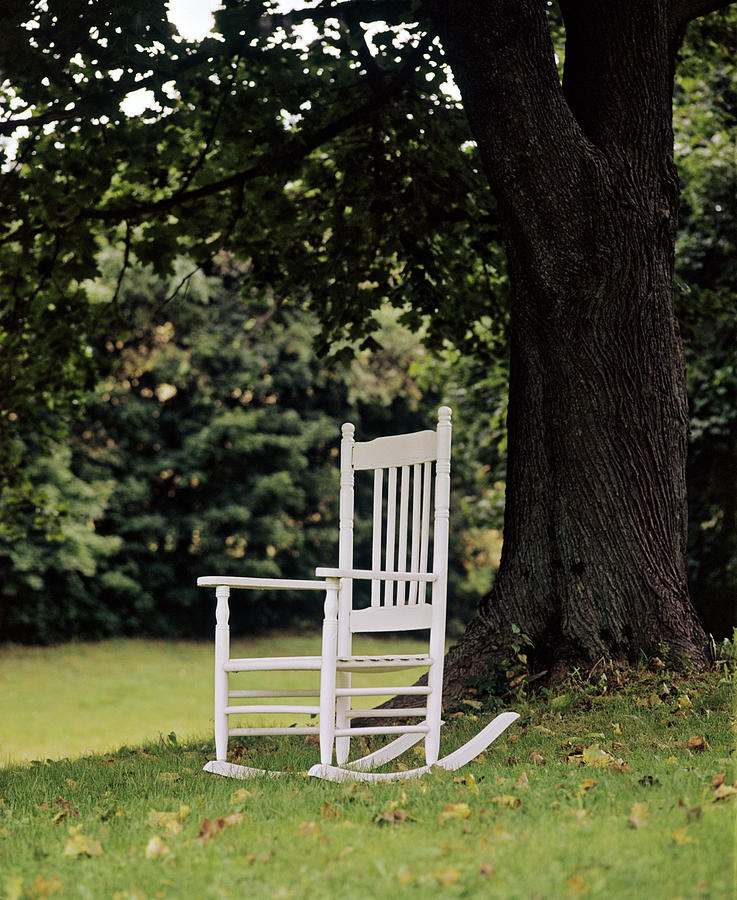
[[391, 515], [403, 534], [416, 510], [376, 537], [425, 529]]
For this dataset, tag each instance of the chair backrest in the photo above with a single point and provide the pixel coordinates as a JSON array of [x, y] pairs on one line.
[[409, 527]]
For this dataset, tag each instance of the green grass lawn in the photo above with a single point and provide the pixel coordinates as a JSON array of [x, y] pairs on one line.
[[617, 793], [80, 698]]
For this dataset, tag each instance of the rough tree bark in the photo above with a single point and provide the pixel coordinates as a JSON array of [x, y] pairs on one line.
[[593, 564]]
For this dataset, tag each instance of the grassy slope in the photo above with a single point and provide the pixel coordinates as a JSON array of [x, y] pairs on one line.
[[76, 698], [650, 826]]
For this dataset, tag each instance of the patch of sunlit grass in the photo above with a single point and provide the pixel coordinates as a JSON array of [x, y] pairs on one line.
[[603, 795]]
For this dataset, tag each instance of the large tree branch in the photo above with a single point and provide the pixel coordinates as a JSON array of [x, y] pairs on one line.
[[272, 163], [682, 11], [504, 65]]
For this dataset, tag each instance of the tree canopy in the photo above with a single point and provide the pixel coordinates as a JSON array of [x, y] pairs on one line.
[[329, 150]]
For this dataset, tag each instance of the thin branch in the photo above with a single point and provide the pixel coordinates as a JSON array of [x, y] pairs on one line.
[[123, 268], [271, 163], [185, 281], [10, 125], [198, 163]]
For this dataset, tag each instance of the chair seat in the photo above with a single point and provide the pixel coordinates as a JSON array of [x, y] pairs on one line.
[[383, 663], [377, 663]]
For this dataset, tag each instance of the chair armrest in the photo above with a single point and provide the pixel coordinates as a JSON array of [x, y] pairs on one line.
[[276, 584], [375, 575]]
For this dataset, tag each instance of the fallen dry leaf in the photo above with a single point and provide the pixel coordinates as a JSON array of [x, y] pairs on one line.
[[405, 876], [448, 876], [586, 785], [680, 836], [43, 887], [309, 829], [486, 869], [696, 743], [474, 704], [210, 828], [638, 815], [507, 800], [82, 845], [724, 792], [595, 756], [156, 848], [455, 812], [718, 779], [537, 758], [170, 821], [67, 807], [328, 811], [522, 783], [577, 885], [391, 816]]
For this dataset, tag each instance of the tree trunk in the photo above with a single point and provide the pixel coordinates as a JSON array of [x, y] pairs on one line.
[[593, 564]]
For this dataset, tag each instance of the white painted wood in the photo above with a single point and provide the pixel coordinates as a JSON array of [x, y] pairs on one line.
[[439, 588], [231, 770], [345, 598], [291, 730], [391, 518], [383, 729], [416, 529], [396, 450], [376, 536], [392, 618], [382, 664], [273, 584], [256, 709], [415, 509], [381, 574], [274, 664], [413, 691], [453, 761], [425, 527], [277, 693], [403, 533], [386, 753], [222, 652], [328, 677]]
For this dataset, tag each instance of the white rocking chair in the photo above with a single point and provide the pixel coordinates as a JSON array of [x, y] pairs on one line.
[[402, 568]]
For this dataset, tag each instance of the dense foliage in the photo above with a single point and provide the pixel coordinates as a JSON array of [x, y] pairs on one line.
[[342, 171], [210, 445]]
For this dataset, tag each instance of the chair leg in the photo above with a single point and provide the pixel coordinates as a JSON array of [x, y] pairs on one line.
[[328, 673], [342, 705], [434, 712], [222, 653]]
